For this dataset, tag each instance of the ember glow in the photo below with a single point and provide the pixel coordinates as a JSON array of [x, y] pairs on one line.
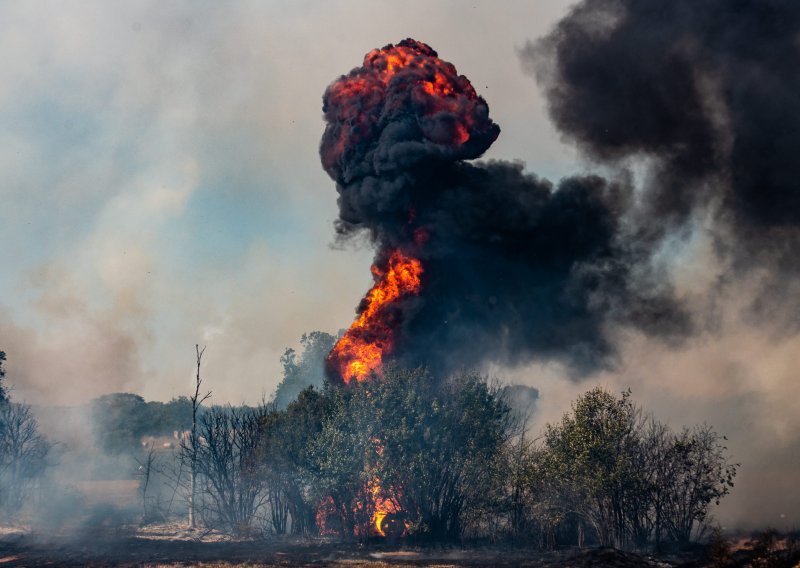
[[362, 348], [392, 79], [389, 123], [407, 92]]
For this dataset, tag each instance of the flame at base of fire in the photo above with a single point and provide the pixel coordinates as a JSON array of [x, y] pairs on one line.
[[361, 350], [388, 520], [381, 516]]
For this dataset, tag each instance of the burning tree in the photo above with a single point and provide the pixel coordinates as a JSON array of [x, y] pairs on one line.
[[483, 261], [438, 441], [418, 452], [399, 131]]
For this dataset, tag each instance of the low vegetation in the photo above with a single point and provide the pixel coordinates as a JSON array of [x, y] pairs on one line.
[[441, 459]]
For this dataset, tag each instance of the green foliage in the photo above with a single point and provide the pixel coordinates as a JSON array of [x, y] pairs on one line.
[[167, 417], [629, 479], [444, 453], [286, 452], [426, 443], [122, 419], [591, 457], [340, 456], [307, 370], [439, 439], [698, 474]]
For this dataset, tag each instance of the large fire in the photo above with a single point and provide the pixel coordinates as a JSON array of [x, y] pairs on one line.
[[361, 350], [403, 109]]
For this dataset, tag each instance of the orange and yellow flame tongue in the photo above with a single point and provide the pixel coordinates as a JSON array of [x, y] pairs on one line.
[[383, 506], [362, 348], [405, 83]]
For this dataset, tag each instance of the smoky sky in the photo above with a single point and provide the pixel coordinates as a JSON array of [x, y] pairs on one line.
[[516, 268], [705, 93]]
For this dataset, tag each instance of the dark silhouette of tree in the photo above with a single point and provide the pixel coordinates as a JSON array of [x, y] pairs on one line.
[[148, 467], [699, 475], [3, 390], [286, 453], [23, 451], [228, 469], [120, 420], [191, 446]]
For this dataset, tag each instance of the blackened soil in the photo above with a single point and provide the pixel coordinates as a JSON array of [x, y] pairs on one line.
[[131, 550]]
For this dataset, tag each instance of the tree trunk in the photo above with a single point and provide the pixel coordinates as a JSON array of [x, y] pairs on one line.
[[192, 450]]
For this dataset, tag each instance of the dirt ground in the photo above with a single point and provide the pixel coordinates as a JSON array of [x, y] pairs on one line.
[[175, 545]]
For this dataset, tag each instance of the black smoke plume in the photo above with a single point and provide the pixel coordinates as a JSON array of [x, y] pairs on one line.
[[707, 94], [515, 268]]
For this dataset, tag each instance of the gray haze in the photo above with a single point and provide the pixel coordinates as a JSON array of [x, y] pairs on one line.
[[160, 186]]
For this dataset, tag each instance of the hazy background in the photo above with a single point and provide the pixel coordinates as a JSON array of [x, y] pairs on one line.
[[160, 186]]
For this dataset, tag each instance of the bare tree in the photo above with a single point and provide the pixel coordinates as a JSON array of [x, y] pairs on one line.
[[189, 448], [233, 479], [23, 453], [148, 466]]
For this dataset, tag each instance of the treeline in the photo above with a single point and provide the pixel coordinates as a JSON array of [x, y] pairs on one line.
[[446, 459], [121, 420], [407, 454]]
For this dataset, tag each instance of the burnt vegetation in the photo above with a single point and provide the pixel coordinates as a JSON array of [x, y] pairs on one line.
[[411, 457], [377, 436]]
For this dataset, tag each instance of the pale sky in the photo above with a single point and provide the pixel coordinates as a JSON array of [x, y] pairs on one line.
[[160, 186]]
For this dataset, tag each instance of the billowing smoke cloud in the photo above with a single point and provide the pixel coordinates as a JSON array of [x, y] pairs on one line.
[[706, 94], [514, 268]]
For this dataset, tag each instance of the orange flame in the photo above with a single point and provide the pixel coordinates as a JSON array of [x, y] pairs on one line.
[[383, 506], [361, 349], [430, 82]]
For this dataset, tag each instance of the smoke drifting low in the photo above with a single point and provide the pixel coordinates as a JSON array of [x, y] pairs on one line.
[[514, 268], [707, 94]]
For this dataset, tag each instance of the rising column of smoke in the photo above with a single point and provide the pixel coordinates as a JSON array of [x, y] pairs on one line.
[[514, 268], [708, 94]]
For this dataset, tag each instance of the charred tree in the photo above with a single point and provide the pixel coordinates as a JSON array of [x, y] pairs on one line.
[[233, 482], [23, 455], [190, 446]]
